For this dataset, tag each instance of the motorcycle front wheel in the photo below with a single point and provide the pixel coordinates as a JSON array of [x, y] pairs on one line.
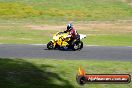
[[50, 45]]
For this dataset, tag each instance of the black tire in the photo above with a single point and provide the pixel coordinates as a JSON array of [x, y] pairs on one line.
[[78, 45], [80, 80], [50, 45]]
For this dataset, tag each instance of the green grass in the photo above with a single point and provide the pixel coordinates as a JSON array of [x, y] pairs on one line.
[[18, 34], [15, 14], [24, 36], [109, 40], [65, 10], [16, 10], [21, 35], [43, 73]]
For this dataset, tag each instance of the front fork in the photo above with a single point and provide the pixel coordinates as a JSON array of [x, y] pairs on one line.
[[54, 43]]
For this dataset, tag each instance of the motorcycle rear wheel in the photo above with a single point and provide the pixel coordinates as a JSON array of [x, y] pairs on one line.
[[78, 45]]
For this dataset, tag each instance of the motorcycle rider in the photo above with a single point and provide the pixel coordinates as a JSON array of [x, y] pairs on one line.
[[72, 32]]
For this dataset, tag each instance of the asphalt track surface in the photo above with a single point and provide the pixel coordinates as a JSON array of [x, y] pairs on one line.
[[123, 53]]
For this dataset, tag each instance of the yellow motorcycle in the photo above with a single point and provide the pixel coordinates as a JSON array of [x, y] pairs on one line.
[[63, 41]]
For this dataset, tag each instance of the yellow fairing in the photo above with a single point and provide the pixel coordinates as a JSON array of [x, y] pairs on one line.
[[64, 43], [61, 39]]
